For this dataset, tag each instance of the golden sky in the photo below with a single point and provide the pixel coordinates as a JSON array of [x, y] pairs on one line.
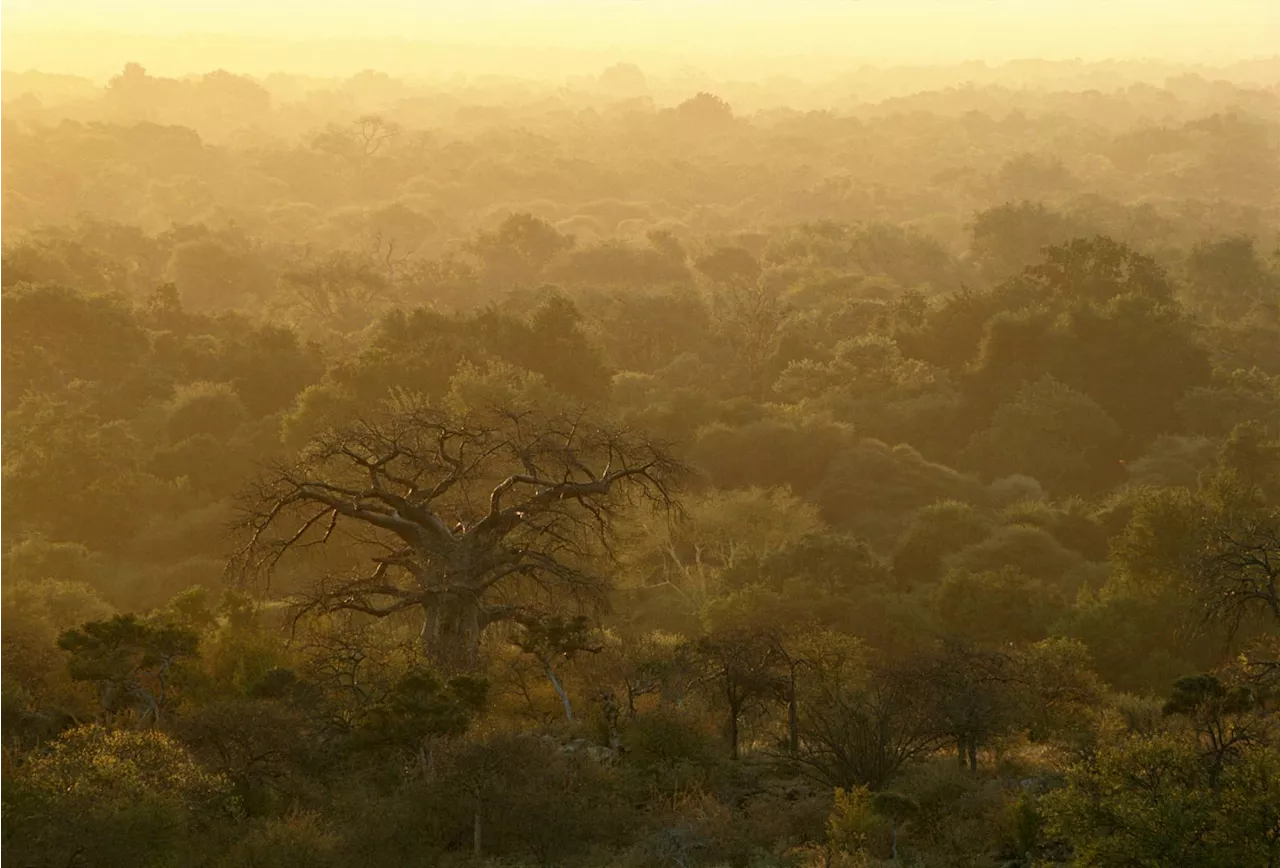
[[54, 34]]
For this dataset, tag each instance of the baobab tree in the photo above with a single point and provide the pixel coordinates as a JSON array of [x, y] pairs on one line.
[[464, 519]]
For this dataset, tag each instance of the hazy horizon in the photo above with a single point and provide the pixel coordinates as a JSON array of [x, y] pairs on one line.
[[563, 37]]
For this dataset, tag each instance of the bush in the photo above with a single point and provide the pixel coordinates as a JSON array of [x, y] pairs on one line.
[[670, 752]]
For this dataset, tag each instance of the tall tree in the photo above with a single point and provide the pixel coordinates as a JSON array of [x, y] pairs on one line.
[[467, 519]]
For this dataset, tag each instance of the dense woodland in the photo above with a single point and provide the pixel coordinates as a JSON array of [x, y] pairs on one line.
[[496, 473]]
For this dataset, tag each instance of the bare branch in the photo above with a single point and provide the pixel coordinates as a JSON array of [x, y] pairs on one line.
[[403, 487]]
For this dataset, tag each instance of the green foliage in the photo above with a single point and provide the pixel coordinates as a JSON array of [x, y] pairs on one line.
[[112, 767], [107, 797], [205, 408], [1010, 237], [936, 531], [419, 706], [58, 334], [520, 248], [1051, 433], [872, 488], [981, 401], [35, 613], [71, 476], [1149, 800], [1137, 638], [297, 839], [1228, 275], [770, 452], [671, 751], [813, 566], [851, 823], [1034, 552], [130, 661], [997, 608]]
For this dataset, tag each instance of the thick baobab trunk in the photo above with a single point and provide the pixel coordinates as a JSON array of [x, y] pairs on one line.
[[451, 631]]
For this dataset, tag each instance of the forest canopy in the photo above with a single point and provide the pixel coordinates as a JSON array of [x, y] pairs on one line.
[[643, 472]]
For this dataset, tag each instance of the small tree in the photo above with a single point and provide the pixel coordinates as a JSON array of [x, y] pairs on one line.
[[420, 707], [859, 724], [553, 638], [970, 695], [1218, 713], [743, 667], [897, 809], [131, 661]]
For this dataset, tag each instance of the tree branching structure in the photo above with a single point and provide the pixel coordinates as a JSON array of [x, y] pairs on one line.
[[862, 730], [467, 520], [1238, 568]]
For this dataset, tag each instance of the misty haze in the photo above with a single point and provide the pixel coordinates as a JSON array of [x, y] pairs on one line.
[[615, 434]]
